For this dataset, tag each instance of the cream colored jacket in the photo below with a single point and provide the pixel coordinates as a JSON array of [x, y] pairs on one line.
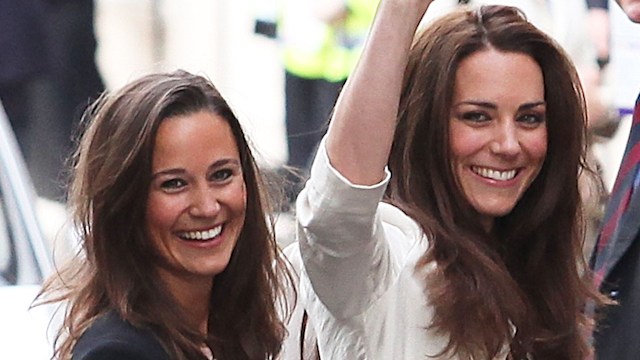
[[358, 281]]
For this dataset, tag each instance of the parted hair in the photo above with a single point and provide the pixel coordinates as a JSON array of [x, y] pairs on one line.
[[114, 269], [523, 286]]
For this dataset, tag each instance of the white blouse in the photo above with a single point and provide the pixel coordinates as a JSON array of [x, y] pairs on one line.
[[357, 258]]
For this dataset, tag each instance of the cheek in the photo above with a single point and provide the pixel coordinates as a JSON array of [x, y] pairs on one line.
[[243, 192], [464, 143], [537, 145], [161, 214]]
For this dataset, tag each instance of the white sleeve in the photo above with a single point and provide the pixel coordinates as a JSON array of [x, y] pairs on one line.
[[292, 307], [341, 238]]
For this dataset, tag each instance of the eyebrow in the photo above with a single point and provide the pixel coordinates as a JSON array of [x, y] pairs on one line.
[[489, 105], [216, 164]]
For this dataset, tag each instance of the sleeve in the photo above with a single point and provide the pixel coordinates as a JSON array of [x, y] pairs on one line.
[[342, 240], [293, 307]]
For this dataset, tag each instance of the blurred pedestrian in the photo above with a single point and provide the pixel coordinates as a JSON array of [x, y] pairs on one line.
[[616, 257], [599, 31], [72, 49], [48, 75], [321, 42], [24, 76]]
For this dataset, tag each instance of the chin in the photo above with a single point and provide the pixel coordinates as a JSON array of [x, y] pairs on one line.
[[215, 270], [496, 212], [633, 11]]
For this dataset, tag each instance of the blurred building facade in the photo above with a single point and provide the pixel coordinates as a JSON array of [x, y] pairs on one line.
[[210, 37]]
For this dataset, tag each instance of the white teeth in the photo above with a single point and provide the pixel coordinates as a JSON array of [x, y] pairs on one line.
[[494, 174], [202, 235]]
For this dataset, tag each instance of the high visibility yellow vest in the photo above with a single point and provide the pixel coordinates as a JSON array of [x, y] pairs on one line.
[[330, 52]]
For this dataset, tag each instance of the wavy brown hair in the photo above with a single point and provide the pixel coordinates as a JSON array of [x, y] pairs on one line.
[[522, 285], [114, 268]]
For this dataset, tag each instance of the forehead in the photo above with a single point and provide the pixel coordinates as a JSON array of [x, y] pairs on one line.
[[498, 75], [197, 136]]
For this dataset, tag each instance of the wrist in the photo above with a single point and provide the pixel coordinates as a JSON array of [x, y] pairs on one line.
[[409, 12]]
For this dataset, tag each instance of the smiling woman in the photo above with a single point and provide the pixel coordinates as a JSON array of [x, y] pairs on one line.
[[178, 250], [442, 217], [197, 201], [498, 134]]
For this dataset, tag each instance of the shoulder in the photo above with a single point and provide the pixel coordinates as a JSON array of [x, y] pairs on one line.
[[110, 337]]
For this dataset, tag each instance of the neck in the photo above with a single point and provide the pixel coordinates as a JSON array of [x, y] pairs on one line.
[[193, 294]]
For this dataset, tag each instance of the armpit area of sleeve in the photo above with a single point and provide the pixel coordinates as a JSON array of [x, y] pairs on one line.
[[327, 187]]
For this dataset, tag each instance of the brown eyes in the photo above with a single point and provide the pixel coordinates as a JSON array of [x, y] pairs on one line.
[[475, 116], [172, 184], [528, 119], [220, 176], [532, 119]]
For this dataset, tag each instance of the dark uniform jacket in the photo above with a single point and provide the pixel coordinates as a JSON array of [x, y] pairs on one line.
[[616, 259]]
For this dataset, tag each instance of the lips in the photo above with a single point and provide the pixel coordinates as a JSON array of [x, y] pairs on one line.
[[498, 175], [201, 235]]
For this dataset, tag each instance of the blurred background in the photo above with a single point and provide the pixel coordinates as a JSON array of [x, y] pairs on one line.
[[212, 37]]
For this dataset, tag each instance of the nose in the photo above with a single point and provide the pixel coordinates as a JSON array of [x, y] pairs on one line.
[[505, 140], [204, 203]]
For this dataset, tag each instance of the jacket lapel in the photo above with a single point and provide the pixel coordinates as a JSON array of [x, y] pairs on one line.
[[627, 229]]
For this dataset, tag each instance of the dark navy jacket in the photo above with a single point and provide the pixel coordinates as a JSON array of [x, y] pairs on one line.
[[112, 338]]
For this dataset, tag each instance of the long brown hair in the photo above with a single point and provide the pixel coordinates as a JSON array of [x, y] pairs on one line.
[[521, 285], [113, 270]]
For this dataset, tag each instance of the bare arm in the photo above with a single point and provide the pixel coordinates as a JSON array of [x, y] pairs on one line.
[[361, 130]]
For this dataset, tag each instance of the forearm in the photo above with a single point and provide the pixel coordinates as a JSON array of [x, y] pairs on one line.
[[361, 130]]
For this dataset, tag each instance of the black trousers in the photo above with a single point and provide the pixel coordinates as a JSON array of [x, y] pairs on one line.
[[309, 103], [44, 108]]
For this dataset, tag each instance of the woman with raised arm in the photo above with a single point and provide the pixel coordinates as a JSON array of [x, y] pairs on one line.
[[442, 219]]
